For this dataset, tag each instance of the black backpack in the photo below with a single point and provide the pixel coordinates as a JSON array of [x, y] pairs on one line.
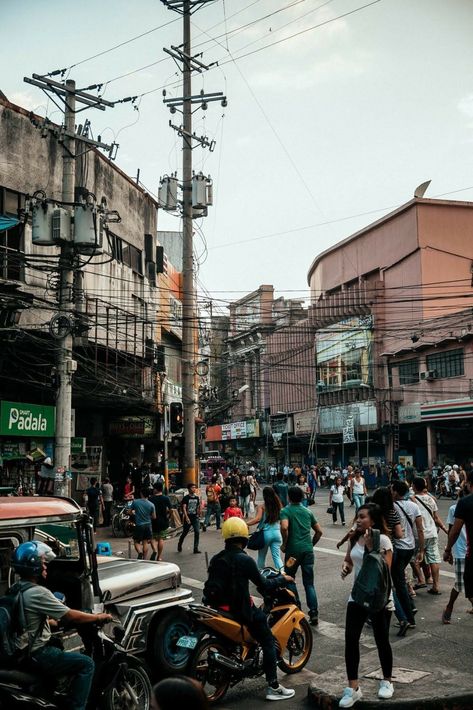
[[219, 587], [12, 620], [372, 587]]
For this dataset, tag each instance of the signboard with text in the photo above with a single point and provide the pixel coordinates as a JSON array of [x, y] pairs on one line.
[[27, 420]]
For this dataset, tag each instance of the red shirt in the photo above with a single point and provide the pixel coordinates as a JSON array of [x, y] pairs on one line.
[[232, 513]]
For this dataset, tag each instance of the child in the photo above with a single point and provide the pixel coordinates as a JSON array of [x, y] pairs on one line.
[[233, 511]]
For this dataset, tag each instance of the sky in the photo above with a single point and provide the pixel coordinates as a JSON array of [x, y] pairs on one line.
[[337, 110]]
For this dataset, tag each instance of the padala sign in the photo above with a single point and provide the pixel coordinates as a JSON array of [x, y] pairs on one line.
[[20, 419]]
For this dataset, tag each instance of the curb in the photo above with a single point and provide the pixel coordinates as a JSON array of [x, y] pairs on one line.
[[325, 701]]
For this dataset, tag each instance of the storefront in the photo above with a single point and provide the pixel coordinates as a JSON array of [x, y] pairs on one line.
[[26, 438], [237, 441]]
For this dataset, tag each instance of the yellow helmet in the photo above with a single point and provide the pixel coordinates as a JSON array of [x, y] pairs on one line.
[[235, 527]]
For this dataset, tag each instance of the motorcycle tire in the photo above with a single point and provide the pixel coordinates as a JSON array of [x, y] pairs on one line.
[[214, 681], [167, 656], [135, 682], [298, 649], [116, 527]]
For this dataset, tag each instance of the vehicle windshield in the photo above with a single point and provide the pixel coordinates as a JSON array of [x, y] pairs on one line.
[[62, 538]]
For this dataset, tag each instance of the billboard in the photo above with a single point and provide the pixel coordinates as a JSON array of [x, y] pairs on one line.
[[344, 353]]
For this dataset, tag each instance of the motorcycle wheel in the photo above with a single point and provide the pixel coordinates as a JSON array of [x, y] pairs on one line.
[[298, 649], [116, 529], [214, 680], [168, 657], [134, 682]]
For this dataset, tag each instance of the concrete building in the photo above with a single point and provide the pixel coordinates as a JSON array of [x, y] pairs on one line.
[[373, 295], [116, 300]]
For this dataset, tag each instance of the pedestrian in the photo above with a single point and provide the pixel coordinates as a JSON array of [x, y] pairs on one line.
[[129, 489], [94, 501], [233, 511], [464, 518], [459, 550], [226, 493], [107, 495], [312, 481], [144, 513], [162, 507], [368, 518], [336, 500], [404, 550], [268, 520], [304, 486], [213, 504], [431, 521], [358, 489], [244, 492], [179, 692], [191, 514], [383, 497], [300, 532], [281, 488]]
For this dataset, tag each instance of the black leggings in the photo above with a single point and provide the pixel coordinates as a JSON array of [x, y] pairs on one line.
[[355, 620]]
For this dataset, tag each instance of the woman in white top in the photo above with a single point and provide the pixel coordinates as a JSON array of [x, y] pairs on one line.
[[369, 517], [304, 486], [358, 489], [336, 500]]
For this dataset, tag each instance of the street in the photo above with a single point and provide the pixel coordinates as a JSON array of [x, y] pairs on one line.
[[451, 643]]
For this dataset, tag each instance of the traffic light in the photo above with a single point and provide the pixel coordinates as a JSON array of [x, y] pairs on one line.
[[176, 422]]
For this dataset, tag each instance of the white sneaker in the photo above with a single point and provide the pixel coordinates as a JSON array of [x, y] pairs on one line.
[[279, 693], [386, 690], [350, 697]]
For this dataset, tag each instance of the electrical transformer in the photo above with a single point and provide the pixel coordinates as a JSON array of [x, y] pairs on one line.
[[199, 191], [167, 194], [42, 224], [61, 225], [87, 229]]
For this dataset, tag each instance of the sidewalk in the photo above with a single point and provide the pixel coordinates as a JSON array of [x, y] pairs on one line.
[[430, 672]]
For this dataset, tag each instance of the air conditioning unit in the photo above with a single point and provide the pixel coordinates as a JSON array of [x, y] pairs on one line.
[[428, 375]]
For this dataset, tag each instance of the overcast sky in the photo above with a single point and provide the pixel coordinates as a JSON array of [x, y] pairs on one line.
[[343, 119]]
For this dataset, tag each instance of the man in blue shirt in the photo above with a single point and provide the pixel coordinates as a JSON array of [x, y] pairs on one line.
[[144, 512]]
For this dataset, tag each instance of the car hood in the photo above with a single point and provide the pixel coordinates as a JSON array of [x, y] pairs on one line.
[[123, 579]]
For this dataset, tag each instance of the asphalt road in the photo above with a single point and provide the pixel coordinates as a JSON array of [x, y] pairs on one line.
[[332, 592]]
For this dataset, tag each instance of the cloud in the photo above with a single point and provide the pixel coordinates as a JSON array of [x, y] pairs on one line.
[[27, 101], [465, 105]]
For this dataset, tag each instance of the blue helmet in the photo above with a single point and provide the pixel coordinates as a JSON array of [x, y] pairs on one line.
[[28, 558]]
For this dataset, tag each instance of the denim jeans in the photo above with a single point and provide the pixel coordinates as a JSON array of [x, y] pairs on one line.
[[273, 540], [195, 524], [213, 509], [245, 505], [341, 508], [259, 629], [359, 500], [402, 600], [80, 668], [306, 562]]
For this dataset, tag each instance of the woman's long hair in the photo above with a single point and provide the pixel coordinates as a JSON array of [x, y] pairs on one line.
[[384, 498], [272, 505], [376, 515]]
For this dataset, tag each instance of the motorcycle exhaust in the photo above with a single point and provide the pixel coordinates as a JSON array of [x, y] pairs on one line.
[[227, 662]]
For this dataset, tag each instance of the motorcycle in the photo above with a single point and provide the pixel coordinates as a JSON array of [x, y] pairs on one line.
[[223, 653], [122, 520], [120, 681]]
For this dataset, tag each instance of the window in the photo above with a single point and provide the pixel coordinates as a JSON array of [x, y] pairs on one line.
[[409, 372], [12, 254], [446, 364]]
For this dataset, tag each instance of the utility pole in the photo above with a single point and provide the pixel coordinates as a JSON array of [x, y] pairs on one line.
[[189, 64], [69, 256], [65, 366]]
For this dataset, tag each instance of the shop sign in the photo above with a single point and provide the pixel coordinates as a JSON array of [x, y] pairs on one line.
[[449, 409], [240, 430], [333, 419], [133, 427], [349, 431], [77, 445], [20, 419], [304, 423], [409, 413]]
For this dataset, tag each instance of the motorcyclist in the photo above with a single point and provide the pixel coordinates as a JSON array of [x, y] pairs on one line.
[[43, 610], [237, 600]]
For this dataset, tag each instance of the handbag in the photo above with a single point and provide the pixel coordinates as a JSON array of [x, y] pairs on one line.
[[330, 510], [256, 540]]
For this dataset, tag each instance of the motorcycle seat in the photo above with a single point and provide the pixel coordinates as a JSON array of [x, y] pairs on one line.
[[24, 679]]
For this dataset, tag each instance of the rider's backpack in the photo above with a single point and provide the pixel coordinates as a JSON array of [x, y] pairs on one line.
[[12, 620], [219, 585], [372, 586]]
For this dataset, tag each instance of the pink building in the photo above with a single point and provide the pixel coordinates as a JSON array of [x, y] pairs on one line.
[[391, 307]]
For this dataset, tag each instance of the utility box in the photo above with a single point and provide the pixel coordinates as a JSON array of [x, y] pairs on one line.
[[61, 226], [42, 224], [87, 229], [167, 194], [199, 191]]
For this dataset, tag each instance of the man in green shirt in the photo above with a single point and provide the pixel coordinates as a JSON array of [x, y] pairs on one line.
[[300, 532]]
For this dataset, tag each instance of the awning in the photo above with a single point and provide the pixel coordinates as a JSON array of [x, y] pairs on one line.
[[7, 222]]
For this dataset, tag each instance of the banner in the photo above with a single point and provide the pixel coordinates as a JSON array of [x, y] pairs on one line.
[[28, 420]]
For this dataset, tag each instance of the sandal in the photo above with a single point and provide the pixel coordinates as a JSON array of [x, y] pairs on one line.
[[419, 586], [446, 617], [434, 591]]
